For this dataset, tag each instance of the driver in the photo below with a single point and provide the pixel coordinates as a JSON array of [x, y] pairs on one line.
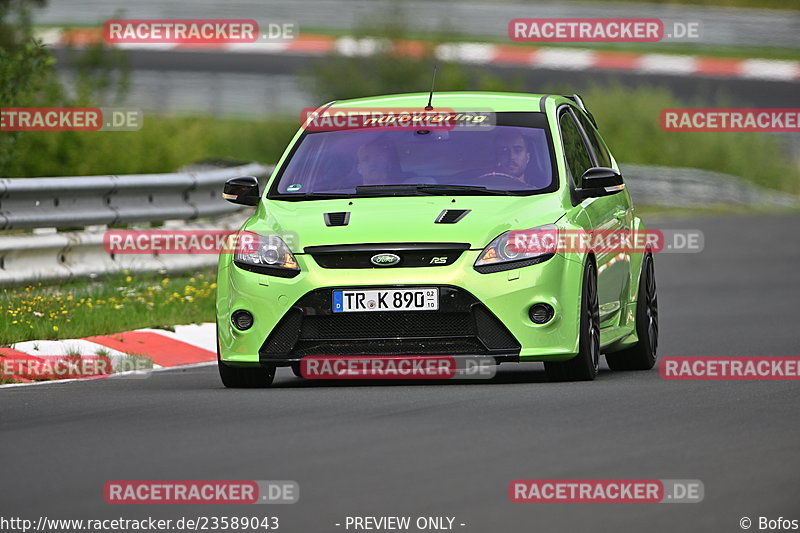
[[512, 154], [376, 160]]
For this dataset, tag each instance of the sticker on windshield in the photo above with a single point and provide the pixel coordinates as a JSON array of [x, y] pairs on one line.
[[294, 187]]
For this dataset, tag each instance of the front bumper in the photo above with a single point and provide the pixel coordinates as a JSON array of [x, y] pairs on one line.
[[480, 314]]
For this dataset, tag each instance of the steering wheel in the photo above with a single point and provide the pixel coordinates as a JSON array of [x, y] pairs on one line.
[[494, 174]]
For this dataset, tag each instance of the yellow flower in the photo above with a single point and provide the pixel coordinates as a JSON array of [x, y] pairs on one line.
[[128, 279], [55, 328]]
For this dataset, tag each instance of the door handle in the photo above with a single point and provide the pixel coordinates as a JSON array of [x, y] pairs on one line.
[[622, 214]]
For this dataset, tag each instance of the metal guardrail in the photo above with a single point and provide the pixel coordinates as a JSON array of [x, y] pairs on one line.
[[692, 187], [74, 202], [188, 200], [26, 259], [181, 201]]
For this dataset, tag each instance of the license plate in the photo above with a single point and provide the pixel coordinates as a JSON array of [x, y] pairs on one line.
[[346, 301]]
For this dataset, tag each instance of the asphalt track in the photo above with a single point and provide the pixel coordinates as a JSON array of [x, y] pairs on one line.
[[452, 448]]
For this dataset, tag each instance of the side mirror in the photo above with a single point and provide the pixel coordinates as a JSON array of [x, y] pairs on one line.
[[242, 191], [599, 181]]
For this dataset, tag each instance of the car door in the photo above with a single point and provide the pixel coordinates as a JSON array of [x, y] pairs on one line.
[[605, 213], [622, 208]]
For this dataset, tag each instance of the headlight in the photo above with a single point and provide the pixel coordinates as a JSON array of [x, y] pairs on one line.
[[265, 254], [518, 248]]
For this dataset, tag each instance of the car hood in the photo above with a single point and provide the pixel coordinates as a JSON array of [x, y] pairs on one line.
[[403, 219]]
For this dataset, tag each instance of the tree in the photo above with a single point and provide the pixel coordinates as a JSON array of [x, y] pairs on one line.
[[27, 76]]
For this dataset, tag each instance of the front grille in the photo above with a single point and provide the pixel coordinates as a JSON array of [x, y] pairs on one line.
[[462, 326], [284, 337], [385, 325], [410, 254], [486, 328]]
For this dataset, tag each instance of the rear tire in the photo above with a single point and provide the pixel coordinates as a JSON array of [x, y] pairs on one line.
[[585, 365], [246, 377], [296, 370], [642, 355]]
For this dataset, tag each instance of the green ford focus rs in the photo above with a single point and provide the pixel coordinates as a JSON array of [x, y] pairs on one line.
[[405, 241]]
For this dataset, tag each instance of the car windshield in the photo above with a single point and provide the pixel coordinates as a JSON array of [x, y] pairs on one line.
[[506, 159]]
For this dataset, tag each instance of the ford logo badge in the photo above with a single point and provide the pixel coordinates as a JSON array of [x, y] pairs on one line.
[[385, 259]]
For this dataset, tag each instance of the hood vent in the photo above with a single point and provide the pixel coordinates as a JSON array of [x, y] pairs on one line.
[[451, 216], [340, 218]]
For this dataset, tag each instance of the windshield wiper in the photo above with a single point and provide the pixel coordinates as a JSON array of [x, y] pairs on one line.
[[317, 195], [451, 189], [426, 188]]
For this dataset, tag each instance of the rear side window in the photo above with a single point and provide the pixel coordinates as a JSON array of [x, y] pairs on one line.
[[599, 147], [578, 159]]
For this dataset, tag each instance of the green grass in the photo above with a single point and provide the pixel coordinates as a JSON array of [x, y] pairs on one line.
[[113, 304], [162, 145], [635, 137]]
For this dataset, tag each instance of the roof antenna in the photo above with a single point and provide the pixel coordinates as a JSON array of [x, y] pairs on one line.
[[429, 107]]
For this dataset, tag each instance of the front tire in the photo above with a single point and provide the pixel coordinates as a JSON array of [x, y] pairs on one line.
[[296, 370], [643, 355], [246, 377], [585, 365]]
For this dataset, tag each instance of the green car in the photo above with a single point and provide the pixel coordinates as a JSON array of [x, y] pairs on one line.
[[397, 241]]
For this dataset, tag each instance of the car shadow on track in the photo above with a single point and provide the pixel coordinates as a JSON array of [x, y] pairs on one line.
[[527, 373]]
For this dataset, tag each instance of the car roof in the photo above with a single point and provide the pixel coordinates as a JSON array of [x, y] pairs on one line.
[[459, 101]]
